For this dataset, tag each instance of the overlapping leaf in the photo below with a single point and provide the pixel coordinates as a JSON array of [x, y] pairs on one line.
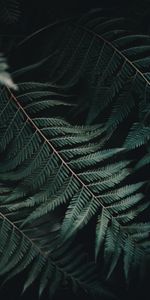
[[38, 247], [48, 163], [108, 63]]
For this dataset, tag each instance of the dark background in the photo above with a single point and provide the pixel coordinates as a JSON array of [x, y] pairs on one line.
[[36, 14]]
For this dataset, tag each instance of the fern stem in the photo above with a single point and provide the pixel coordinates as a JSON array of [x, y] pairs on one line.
[[83, 185], [52, 147]]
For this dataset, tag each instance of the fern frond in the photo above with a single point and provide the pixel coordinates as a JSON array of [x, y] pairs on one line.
[[111, 62], [38, 246], [43, 175]]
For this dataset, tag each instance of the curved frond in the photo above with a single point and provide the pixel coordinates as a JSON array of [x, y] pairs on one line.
[[51, 262], [110, 64], [45, 165]]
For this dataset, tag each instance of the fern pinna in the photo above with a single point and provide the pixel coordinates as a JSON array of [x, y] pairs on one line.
[[48, 163]]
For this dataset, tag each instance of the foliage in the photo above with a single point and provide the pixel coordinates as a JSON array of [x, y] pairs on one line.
[[61, 181], [113, 62], [38, 246]]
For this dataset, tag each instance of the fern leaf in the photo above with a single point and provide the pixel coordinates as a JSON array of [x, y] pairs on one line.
[[101, 230], [113, 63], [128, 258], [43, 176], [21, 248], [138, 136]]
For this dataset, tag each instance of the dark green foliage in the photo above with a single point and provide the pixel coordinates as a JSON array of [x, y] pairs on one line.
[[59, 181], [138, 136], [38, 246], [30, 159], [47, 163], [112, 62]]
